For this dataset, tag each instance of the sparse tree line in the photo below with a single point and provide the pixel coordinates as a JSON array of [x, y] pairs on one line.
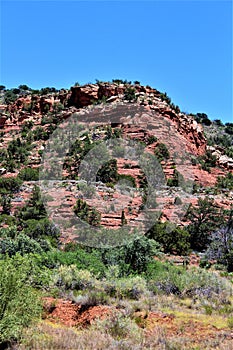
[[205, 220], [32, 263]]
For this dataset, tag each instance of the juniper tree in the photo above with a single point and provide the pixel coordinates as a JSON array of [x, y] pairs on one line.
[[221, 246]]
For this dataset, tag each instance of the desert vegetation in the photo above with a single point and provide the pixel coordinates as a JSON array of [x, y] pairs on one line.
[[170, 288], [133, 280]]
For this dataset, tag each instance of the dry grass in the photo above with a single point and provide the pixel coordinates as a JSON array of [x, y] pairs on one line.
[[121, 333], [146, 322], [51, 337]]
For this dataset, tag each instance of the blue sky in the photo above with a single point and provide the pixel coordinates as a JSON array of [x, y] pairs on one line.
[[181, 47]]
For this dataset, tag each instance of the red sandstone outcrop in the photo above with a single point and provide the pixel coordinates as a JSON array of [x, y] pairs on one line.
[[82, 96], [180, 132], [222, 159], [37, 103]]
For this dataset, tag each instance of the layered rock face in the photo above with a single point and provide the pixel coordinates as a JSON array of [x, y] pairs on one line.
[[156, 118], [36, 104], [82, 96]]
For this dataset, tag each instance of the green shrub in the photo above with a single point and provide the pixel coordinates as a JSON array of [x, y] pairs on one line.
[[70, 277], [165, 97], [130, 287], [118, 81], [27, 107], [176, 180], [117, 133], [133, 256], [87, 213], [103, 99], [139, 252], [218, 122], [14, 241], [151, 139], [202, 118], [108, 172], [10, 185], [229, 152], [204, 219], [91, 298], [169, 279], [207, 161], [47, 90], [194, 160], [230, 322], [225, 182], [5, 201], [43, 228], [178, 200], [10, 96], [162, 152], [18, 150], [220, 139], [229, 128], [34, 208], [8, 232], [40, 134], [24, 87], [123, 218], [119, 327], [172, 239], [79, 257], [129, 94], [128, 178], [8, 219], [22, 244], [19, 303], [87, 190], [29, 174], [221, 244]]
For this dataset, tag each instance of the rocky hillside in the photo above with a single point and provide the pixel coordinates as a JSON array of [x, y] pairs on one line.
[[187, 153], [123, 159]]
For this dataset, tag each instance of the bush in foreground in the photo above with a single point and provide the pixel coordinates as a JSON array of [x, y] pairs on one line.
[[19, 303]]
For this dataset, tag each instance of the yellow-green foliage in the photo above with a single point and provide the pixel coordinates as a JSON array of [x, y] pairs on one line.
[[19, 302], [71, 277]]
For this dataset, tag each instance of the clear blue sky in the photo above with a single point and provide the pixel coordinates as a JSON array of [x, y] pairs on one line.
[[181, 47]]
